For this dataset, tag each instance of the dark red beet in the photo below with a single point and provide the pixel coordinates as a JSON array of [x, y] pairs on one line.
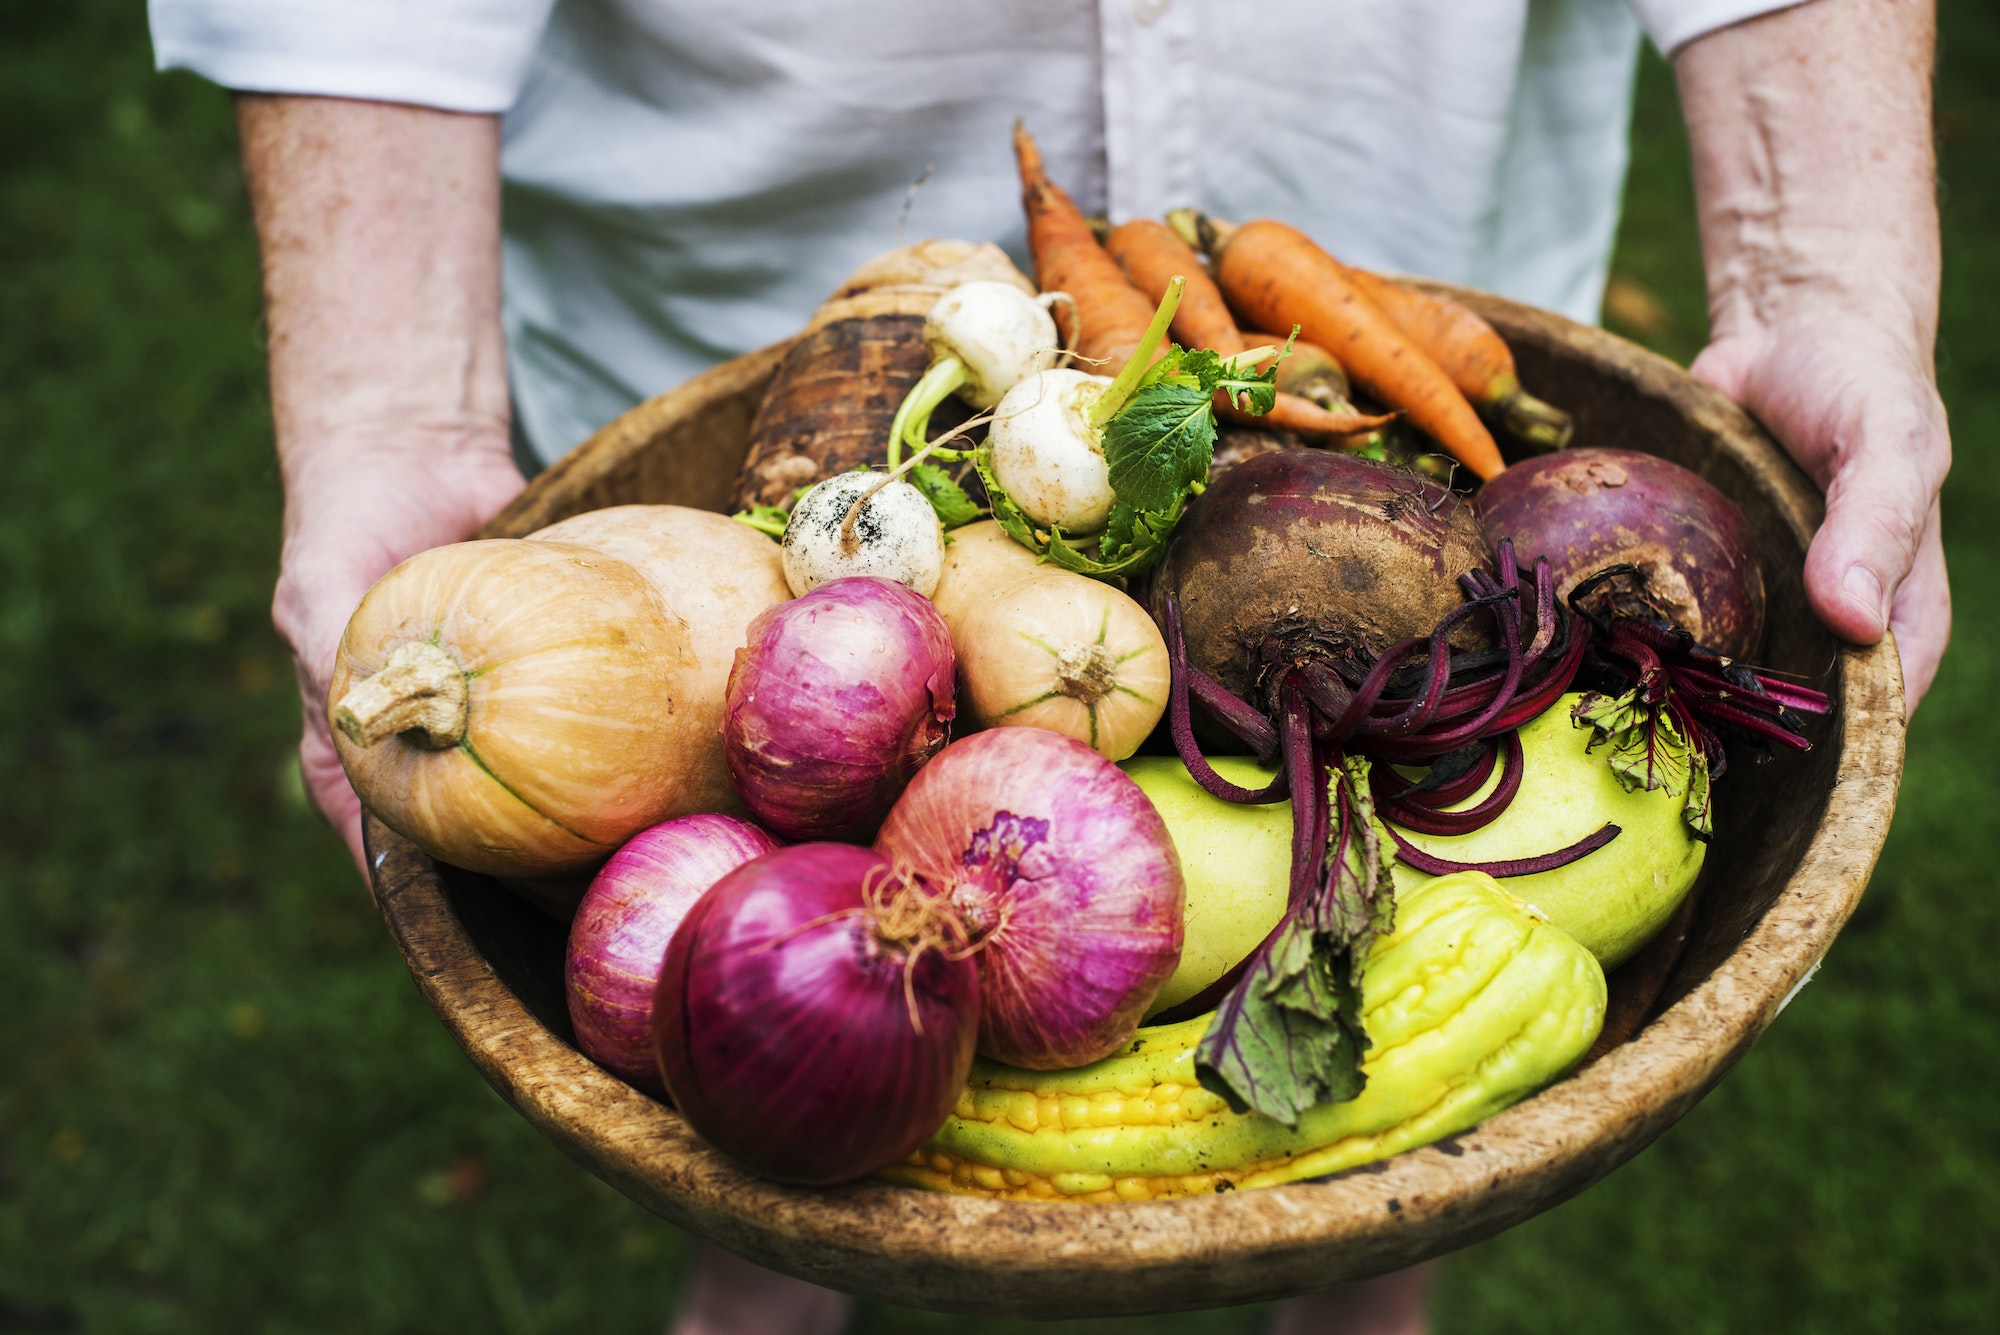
[[1298, 545], [1588, 509]]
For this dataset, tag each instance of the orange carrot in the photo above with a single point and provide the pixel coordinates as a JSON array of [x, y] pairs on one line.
[[1152, 257], [1275, 277], [1473, 354], [1109, 315]]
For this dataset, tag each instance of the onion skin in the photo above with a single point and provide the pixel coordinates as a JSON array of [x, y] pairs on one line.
[[1353, 553], [620, 934], [789, 1046], [1588, 509], [839, 697], [1060, 858]]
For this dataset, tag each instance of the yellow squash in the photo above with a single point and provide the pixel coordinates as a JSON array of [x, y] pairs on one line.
[[1473, 1002]]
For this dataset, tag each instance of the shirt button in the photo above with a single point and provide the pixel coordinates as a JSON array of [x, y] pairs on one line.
[[1150, 11]]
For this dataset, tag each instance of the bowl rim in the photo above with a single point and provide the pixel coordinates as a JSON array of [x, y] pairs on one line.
[[923, 1248]]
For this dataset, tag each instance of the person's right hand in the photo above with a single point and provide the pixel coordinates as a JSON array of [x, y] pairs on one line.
[[359, 510], [380, 230]]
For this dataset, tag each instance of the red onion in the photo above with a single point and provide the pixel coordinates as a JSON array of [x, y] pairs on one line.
[[816, 1014], [837, 699], [622, 927], [1588, 509], [1068, 876]]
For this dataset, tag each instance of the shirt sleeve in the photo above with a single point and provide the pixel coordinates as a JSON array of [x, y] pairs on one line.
[[459, 55], [1672, 24]]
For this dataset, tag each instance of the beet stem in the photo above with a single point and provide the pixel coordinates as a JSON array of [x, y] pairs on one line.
[[1181, 726], [1409, 854]]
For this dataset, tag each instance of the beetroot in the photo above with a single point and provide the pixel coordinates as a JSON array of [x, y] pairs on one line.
[[1588, 509], [1301, 547]]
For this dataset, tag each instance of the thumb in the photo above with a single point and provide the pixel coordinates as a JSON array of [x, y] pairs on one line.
[[1878, 501]]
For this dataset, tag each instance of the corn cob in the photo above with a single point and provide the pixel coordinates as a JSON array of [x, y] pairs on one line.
[[1473, 1002]]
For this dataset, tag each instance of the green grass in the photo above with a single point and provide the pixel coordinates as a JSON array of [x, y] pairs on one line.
[[225, 1107]]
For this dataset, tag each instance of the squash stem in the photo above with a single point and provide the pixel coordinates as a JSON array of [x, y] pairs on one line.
[[1119, 393], [419, 693], [913, 416]]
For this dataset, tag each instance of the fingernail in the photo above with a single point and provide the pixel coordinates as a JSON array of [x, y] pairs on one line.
[[1865, 588]]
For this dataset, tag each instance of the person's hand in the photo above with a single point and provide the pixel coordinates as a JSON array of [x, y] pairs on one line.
[[1815, 180], [1855, 405], [360, 509]]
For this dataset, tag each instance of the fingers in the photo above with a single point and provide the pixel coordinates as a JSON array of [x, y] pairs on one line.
[[1920, 614], [1881, 497], [329, 792]]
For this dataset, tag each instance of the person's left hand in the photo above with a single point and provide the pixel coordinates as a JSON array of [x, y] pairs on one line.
[[1855, 404]]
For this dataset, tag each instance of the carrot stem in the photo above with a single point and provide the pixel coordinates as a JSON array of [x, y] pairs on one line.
[[1120, 391]]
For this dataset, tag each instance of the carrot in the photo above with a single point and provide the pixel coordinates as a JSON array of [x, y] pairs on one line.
[[1276, 277], [1473, 354], [836, 391], [1109, 316], [1152, 257]]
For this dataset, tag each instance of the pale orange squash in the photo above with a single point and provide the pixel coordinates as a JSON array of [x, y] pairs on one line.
[[979, 559], [1066, 652], [518, 708], [717, 575]]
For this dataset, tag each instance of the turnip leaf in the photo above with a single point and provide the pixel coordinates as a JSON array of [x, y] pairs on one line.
[[953, 506], [1160, 445]]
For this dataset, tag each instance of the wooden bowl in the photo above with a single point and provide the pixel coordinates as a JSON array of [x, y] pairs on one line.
[[1795, 841]]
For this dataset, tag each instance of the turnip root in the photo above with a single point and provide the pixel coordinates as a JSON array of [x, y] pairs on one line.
[[1064, 652], [1047, 451], [996, 334], [863, 524]]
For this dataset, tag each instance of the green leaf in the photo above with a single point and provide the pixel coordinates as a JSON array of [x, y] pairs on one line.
[[1160, 445], [1140, 539], [953, 506], [1279, 1043], [1289, 1035], [1648, 749], [1697, 811], [766, 519]]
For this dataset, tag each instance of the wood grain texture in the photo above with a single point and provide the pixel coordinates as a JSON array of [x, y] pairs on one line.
[[1796, 840]]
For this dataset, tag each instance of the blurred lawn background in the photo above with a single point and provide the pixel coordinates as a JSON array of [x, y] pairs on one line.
[[224, 1107]]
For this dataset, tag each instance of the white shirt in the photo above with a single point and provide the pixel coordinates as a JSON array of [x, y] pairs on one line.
[[687, 180]]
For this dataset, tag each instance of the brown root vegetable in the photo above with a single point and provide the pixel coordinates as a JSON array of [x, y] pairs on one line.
[[1068, 653], [1592, 508], [835, 394], [716, 575], [1312, 554], [516, 707]]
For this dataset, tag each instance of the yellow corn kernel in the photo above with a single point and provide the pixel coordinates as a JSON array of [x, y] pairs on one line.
[[990, 1178], [1048, 1113], [1107, 1109], [1133, 1189], [1080, 1184]]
